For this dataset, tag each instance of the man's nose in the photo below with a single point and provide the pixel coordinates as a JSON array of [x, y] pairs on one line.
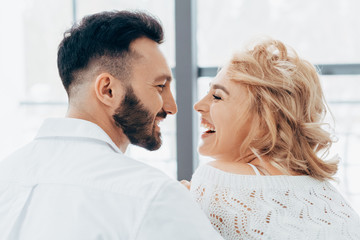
[[170, 106]]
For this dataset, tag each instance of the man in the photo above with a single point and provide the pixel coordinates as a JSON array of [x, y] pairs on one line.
[[73, 181]]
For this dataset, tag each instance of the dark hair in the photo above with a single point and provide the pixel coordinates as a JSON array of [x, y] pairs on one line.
[[106, 34]]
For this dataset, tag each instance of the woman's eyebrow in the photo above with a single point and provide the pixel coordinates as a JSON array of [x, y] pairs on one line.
[[217, 86]]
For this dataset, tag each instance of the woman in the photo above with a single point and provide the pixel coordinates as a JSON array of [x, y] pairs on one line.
[[263, 115]]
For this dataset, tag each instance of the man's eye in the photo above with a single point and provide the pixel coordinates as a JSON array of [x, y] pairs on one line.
[[216, 97], [161, 87]]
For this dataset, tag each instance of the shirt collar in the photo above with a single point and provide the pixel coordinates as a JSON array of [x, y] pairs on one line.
[[72, 127]]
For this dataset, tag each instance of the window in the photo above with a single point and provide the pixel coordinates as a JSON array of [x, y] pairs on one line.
[[31, 89], [321, 31]]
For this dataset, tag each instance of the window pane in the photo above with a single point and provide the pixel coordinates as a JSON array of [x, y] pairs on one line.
[[344, 103], [42, 32], [322, 31], [31, 88]]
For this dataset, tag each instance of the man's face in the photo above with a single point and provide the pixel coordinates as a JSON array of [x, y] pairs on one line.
[[148, 99]]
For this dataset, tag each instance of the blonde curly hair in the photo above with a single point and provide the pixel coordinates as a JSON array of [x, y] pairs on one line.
[[287, 102]]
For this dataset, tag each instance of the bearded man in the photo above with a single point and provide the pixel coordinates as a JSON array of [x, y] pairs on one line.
[[73, 180]]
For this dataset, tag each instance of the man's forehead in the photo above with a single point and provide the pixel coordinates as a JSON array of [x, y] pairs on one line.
[[142, 55], [144, 46], [135, 54], [148, 56]]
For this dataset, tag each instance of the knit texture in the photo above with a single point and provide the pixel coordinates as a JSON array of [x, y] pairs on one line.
[[273, 207]]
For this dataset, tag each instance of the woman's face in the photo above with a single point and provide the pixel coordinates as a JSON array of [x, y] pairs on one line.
[[225, 118]]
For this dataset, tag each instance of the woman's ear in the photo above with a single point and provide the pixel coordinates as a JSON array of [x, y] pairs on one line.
[[108, 89]]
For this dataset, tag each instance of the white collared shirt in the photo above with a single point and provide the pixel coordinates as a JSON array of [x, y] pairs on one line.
[[73, 182]]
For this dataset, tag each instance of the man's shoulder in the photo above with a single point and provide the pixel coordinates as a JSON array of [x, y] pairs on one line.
[[130, 168], [103, 171], [14, 161], [117, 173]]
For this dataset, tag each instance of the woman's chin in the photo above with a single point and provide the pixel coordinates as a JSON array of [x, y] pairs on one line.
[[204, 150]]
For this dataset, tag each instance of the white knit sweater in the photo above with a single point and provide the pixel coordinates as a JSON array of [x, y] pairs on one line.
[[273, 207]]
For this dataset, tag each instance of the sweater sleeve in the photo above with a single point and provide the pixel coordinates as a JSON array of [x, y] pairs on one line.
[[173, 214]]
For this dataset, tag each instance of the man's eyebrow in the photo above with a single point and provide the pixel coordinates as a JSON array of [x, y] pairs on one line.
[[163, 77], [217, 86]]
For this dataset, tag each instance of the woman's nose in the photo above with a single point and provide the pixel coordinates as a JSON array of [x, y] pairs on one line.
[[200, 105]]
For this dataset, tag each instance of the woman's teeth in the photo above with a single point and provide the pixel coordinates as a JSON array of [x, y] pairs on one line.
[[208, 126]]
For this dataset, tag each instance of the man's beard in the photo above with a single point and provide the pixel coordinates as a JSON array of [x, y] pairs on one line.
[[137, 122]]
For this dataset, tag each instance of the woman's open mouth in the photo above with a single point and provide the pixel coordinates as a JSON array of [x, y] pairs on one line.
[[209, 128]]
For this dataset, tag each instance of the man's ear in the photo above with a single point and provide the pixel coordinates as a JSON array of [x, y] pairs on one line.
[[108, 89]]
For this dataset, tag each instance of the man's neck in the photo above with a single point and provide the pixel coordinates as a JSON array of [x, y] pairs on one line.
[[115, 133]]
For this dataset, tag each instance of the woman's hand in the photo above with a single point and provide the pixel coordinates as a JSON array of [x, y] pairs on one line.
[[187, 184]]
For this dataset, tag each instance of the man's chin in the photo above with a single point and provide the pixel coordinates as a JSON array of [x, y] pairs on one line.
[[151, 144], [157, 147], [157, 143]]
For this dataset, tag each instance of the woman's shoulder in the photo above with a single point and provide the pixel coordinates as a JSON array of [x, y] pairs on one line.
[[215, 172], [223, 175], [232, 167], [242, 176]]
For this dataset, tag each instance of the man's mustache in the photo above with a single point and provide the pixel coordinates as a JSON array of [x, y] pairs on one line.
[[162, 114]]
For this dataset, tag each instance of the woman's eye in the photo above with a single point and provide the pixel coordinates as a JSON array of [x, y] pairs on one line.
[[216, 97]]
